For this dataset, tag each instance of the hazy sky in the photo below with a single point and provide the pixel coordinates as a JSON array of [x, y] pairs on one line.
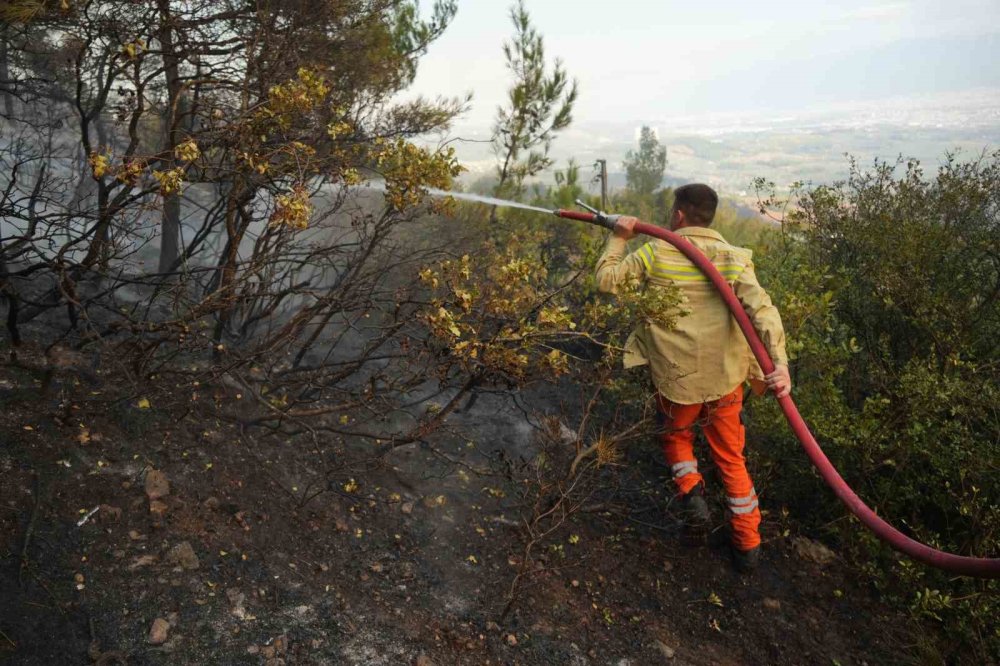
[[640, 60]]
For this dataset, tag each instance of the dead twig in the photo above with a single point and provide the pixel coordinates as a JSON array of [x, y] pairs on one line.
[[29, 530]]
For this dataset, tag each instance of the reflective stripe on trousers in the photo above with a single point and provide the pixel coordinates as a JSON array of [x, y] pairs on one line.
[[684, 468], [743, 505]]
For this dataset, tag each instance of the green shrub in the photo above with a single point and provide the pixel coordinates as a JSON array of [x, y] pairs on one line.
[[889, 285]]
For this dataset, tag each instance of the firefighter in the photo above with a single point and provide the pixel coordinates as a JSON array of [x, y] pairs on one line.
[[700, 365]]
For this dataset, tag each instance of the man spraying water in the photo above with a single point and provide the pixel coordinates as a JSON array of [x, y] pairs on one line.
[[699, 367]]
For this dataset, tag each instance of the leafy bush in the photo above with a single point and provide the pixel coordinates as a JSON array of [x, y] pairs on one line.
[[888, 284]]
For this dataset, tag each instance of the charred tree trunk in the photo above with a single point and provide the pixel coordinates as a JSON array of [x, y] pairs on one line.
[[224, 286], [170, 233], [6, 84], [99, 250], [170, 227]]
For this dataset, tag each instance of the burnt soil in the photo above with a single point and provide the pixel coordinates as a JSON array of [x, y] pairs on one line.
[[305, 559]]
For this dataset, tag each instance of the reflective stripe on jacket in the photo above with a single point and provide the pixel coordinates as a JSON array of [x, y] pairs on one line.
[[705, 355]]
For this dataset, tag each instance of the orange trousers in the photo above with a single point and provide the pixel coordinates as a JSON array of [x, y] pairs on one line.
[[720, 421]]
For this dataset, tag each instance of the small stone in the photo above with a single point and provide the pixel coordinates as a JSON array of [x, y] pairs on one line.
[[109, 514], [665, 650], [341, 524], [158, 632], [772, 604], [183, 555], [235, 596], [434, 501], [406, 507], [423, 660], [157, 508], [492, 626], [156, 484], [511, 640], [668, 565], [211, 503], [253, 649], [813, 550], [142, 561], [280, 644], [267, 652], [566, 435], [135, 536]]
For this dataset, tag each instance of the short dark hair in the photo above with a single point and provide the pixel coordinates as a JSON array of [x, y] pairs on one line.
[[698, 202]]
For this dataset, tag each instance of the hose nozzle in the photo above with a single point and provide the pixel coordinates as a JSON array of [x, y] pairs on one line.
[[592, 215]]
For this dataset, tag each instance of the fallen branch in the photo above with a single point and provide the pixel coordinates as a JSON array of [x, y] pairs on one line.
[[29, 530]]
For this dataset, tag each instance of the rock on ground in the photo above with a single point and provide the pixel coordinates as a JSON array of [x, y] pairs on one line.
[[156, 485], [814, 551], [183, 555], [665, 649], [158, 632]]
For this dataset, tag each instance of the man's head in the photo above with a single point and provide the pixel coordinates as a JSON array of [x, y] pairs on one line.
[[694, 205]]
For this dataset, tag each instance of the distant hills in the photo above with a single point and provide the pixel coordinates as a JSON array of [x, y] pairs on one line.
[[729, 150]]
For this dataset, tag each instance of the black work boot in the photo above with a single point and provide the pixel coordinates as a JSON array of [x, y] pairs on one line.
[[696, 516], [746, 560]]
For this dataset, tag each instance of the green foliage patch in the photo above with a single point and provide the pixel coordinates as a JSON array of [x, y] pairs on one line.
[[888, 284]]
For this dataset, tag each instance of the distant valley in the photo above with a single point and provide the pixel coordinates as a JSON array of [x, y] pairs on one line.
[[729, 150]]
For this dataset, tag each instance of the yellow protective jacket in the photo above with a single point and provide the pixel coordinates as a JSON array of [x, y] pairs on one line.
[[705, 355]]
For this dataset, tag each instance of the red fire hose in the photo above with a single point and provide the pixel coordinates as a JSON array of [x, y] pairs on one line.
[[966, 566]]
